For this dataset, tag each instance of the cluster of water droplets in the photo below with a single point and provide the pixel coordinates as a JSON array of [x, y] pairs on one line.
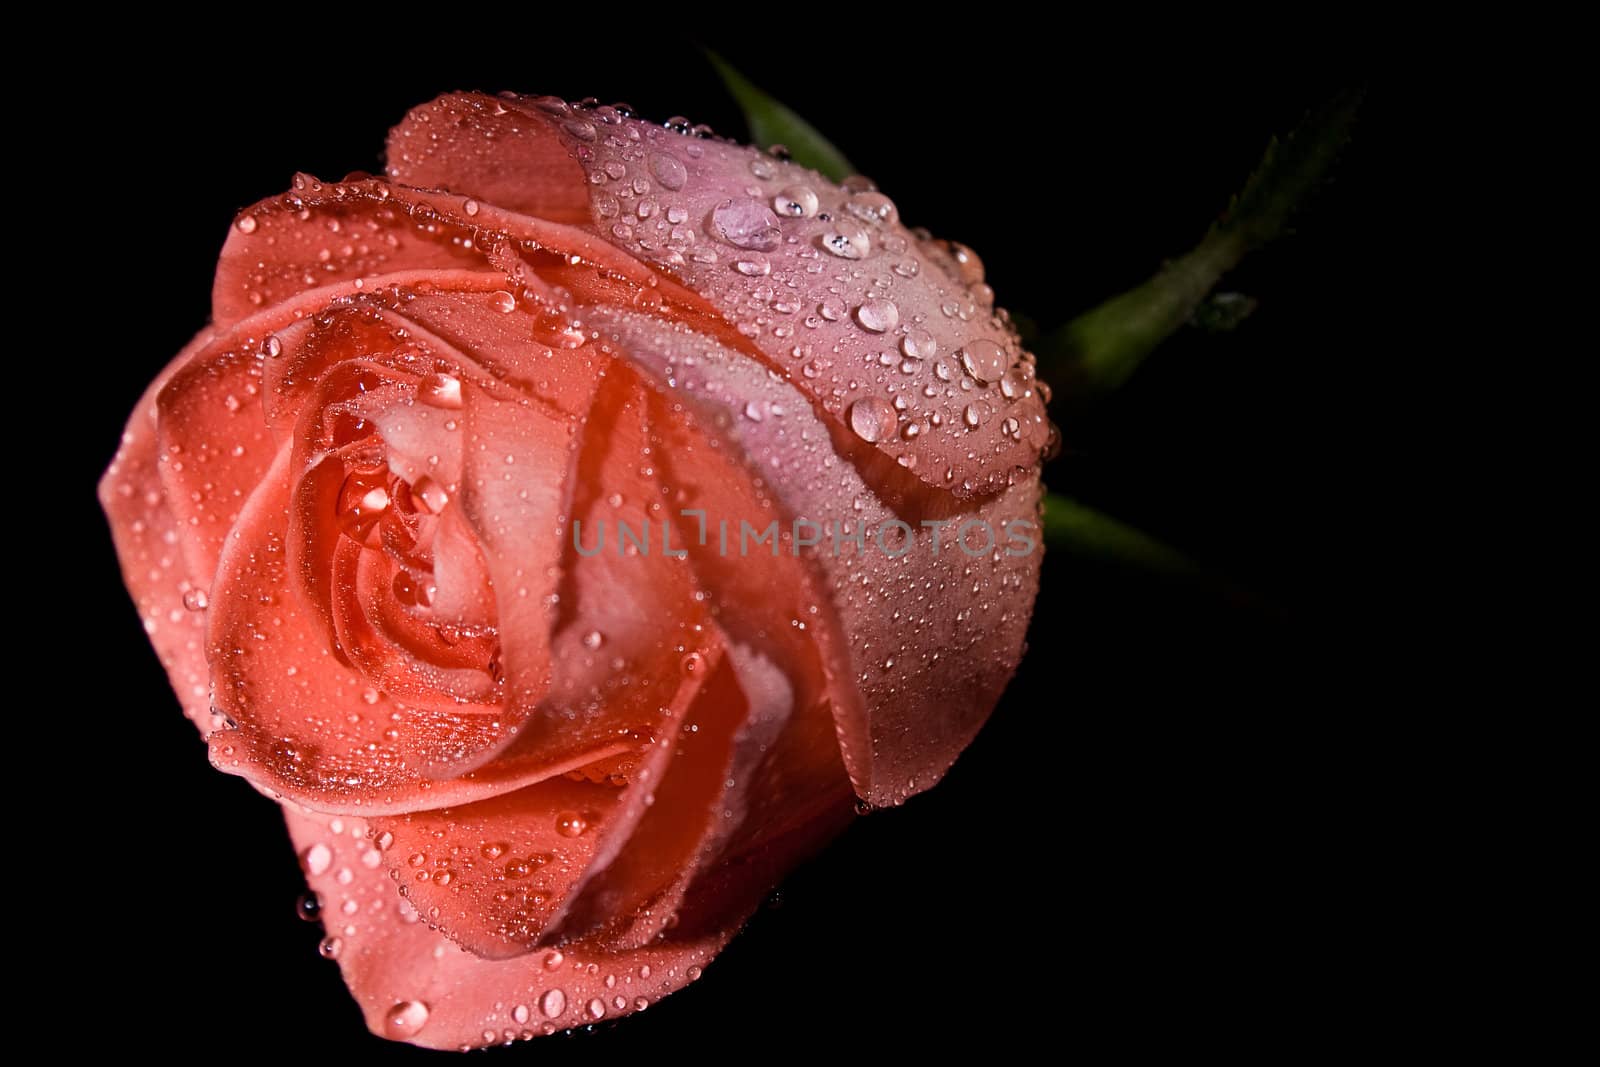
[[834, 291]]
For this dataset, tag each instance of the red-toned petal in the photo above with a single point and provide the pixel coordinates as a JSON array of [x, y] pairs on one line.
[[214, 445], [322, 233], [820, 277], [934, 635], [489, 148], [306, 725], [414, 985], [514, 489], [693, 799], [171, 598]]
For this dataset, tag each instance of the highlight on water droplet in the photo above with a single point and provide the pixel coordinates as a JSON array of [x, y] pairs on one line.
[[553, 1003], [571, 824]]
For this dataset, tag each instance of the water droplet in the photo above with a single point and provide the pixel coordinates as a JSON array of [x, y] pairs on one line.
[[553, 959], [746, 224], [583, 131], [502, 301], [693, 663], [272, 347], [967, 262], [430, 494], [668, 171], [762, 168], [553, 1003], [519, 1014], [384, 841], [878, 315], [571, 824], [873, 208], [847, 241], [247, 224], [971, 416], [872, 418], [984, 360], [195, 599], [405, 1018], [308, 907], [919, 344], [441, 391], [317, 859], [693, 974], [753, 266], [795, 202], [597, 1008], [328, 948], [470, 207]]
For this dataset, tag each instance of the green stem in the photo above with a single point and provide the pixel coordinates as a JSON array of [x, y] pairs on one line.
[[1106, 344]]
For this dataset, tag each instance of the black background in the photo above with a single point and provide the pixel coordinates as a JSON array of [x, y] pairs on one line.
[[1144, 847]]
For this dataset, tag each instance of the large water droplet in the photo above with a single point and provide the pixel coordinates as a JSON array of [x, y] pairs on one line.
[[553, 1003], [571, 824], [668, 171], [247, 224], [919, 344], [878, 315], [195, 599], [317, 859], [984, 360], [441, 391], [502, 301], [405, 1018], [746, 224], [872, 418], [795, 202], [308, 907], [597, 1008], [847, 241], [872, 208]]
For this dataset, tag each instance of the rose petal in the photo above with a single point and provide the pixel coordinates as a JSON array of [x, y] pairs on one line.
[[887, 316], [694, 798], [934, 635], [171, 599], [414, 985], [309, 727], [476, 144]]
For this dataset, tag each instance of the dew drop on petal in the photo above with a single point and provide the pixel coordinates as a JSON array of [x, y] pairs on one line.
[[919, 344], [746, 224], [553, 1003], [878, 315], [984, 360], [405, 1018], [872, 418], [668, 171], [317, 859], [795, 202]]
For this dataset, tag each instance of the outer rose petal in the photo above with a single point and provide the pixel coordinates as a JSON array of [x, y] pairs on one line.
[[935, 634], [414, 985], [834, 282], [149, 545]]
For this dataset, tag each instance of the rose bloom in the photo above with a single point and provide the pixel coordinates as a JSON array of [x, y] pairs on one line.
[[533, 784]]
